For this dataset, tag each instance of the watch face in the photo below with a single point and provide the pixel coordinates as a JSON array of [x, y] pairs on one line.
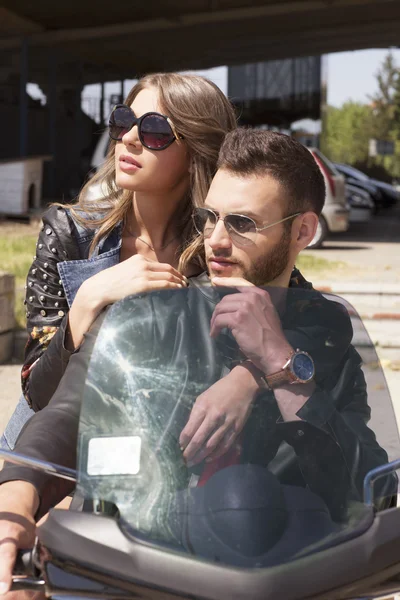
[[303, 366]]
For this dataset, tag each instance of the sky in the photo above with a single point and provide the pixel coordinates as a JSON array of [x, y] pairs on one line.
[[351, 75]]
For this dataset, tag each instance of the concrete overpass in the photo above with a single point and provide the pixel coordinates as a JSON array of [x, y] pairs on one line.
[[122, 39]]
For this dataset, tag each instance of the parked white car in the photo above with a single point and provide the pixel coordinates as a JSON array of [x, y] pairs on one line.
[[335, 214]]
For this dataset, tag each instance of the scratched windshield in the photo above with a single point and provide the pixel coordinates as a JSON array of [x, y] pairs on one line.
[[284, 483]]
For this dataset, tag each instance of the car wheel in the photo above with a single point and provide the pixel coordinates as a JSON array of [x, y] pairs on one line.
[[320, 234]]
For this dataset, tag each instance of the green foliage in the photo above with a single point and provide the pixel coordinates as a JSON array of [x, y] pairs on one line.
[[396, 112], [347, 130], [383, 100]]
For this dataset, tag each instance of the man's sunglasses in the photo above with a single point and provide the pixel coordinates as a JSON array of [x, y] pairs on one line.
[[156, 131], [241, 229]]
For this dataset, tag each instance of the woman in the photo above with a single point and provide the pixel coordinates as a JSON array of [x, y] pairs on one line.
[[139, 237]]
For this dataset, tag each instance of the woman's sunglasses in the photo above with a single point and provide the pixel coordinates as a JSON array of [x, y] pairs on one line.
[[156, 131], [241, 229]]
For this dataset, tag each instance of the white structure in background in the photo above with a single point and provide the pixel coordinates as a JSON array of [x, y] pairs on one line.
[[21, 184]]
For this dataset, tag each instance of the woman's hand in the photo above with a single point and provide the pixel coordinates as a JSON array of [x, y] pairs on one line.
[[218, 416], [18, 504], [132, 276]]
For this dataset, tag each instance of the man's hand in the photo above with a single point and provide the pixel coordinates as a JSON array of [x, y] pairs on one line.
[[218, 416], [254, 322]]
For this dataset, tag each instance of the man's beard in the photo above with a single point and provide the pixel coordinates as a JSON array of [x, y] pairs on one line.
[[272, 264]]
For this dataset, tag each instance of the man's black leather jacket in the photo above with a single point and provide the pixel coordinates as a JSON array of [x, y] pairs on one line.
[[330, 450]]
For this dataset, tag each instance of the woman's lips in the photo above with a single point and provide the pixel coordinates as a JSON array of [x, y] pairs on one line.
[[128, 164]]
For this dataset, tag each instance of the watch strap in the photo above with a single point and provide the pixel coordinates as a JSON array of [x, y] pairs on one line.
[[282, 377], [285, 376]]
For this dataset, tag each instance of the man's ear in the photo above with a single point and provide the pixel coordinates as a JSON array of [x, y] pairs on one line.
[[306, 228]]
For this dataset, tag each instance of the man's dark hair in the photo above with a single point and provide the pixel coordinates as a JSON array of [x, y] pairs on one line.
[[260, 152]]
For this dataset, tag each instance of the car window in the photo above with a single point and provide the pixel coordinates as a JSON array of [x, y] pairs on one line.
[[352, 172]]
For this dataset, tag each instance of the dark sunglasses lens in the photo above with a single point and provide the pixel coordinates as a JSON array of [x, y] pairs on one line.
[[204, 221], [122, 120], [156, 132], [240, 224], [240, 228]]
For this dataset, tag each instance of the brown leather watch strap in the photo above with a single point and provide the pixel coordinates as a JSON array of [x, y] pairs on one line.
[[282, 377]]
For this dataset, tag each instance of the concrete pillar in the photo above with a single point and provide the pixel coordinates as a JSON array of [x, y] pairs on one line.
[[23, 99], [79, 134], [52, 116], [102, 116]]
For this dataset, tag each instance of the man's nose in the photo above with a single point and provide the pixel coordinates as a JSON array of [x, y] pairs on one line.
[[220, 237]]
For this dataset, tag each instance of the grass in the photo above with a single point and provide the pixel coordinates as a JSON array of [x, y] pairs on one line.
[[17, 248], [311, 265]]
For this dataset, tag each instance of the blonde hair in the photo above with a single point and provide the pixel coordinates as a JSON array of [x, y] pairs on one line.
[[203, 116]]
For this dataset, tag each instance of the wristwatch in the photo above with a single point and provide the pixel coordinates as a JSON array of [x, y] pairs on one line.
[[299, 368]]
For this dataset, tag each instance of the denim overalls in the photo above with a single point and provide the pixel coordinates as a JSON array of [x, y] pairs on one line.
[[72, 274]]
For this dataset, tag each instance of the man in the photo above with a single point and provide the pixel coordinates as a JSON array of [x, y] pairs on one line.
[[261, 211], [275, 181]]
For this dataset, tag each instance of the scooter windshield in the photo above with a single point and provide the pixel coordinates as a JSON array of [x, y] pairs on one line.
[[190, 443]]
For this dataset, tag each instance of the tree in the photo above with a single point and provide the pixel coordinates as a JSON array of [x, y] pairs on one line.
[[386, 108], [396, 109], [392, 163], [383, 101], [347, 132]]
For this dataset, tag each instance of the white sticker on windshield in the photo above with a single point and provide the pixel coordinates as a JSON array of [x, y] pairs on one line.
[[114, 455]]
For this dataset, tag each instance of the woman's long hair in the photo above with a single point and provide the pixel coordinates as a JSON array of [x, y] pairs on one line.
[[203, 116]]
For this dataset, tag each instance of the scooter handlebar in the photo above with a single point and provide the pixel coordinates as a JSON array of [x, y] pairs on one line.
[[24, 563], [25, 575]]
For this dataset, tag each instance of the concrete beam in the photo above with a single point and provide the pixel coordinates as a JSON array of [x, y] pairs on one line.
[[230, 43], [12, 24], [256, 46], [269, 9]]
